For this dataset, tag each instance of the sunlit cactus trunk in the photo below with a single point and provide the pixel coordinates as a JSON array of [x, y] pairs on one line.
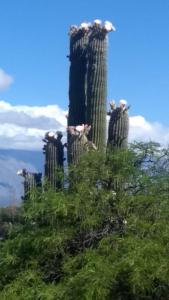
[[77, 148], [78, 143], [88, 82], [118, 129], [97, 88], [77, 76], [31, 181], [54, 159]]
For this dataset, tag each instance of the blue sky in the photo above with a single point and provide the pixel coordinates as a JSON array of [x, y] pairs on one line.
[[34, 45]]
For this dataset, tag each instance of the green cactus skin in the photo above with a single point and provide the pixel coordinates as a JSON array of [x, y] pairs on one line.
[[77, 148], [54, 158], [118, 129], [78, 142], [77, 78], [97, 88], [77, 87]]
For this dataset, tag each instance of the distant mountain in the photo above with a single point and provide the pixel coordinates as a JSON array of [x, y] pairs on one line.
[[11, 187]]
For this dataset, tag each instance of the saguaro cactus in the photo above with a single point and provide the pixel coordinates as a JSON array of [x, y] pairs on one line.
[[78, 142], [118, 126], [31, 181], [88, 79], [77, 75], [54, 158], [97, 82]]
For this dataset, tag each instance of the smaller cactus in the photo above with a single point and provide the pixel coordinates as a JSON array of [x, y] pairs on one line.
[[118, 126], [78, 143], [54, 158], [31, 181]]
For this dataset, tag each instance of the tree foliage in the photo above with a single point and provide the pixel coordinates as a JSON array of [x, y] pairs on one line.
[[106, 236]]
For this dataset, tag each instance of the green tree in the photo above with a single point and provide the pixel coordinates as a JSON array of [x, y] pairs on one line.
[[92, 241]]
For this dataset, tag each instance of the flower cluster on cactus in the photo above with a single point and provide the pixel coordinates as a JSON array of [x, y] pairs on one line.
[[89, 27], [79, 130], [78, 142]]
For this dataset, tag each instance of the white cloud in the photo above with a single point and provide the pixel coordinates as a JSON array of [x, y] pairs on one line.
[[23, 126], [5, 80], [142, 130]]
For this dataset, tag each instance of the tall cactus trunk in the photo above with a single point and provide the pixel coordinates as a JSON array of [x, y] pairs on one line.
[[88, 80], [118, 129], [77, 78], [97, 88], [77, 87], [54, 158]]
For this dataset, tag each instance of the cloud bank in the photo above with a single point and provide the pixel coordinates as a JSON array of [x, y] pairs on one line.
[[5, 80], [142, 130], [23, 127]]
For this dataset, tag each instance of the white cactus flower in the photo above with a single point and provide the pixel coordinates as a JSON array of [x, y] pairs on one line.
[[51, 134], [80, 128], [108, 26], [84, 26], [19, 172], [97, 22], [123, 102]]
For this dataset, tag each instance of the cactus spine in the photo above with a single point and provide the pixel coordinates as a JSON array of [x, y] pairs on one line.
[[54, 158], [118, 126]]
